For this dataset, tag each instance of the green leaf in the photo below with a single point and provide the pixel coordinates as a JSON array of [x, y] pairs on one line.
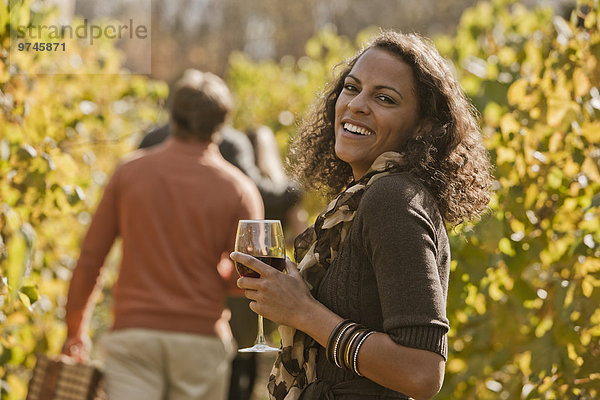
[[505, 247], [17, 251], [4, 17], [31, 293], [25, 300]]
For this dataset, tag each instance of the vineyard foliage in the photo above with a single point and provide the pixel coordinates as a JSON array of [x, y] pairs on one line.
[[525, 289], [60, 138], [524, 297], [525, 283]]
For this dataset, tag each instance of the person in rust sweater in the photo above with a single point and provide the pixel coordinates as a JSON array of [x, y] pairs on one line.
[[176, 208]]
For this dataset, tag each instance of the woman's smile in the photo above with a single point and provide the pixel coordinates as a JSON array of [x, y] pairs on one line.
[[354, 129]]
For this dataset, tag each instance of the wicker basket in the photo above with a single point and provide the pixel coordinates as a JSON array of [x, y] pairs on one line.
[[62, 378]]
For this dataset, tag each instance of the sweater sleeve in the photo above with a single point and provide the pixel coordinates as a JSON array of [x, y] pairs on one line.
[[401, 239], [96, 244]]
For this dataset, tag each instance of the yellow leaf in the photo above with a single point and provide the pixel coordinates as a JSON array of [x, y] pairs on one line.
[[571, 168], [531, 195], [590, 20], [544, 326], [556, 141], [506, 247], [557, 110], [594, 331], [570, 205], [590, 265], [546, 384], [534, 55], [507, 55], [508, 124], [524, 362], [587, 287], [591, 169], [16, 261], [495, 292], [591, 131], [571, 351], [559, 95], [456, 365], [25, 300], [581, 82], [461, 317], [4, 16], [492, 113], [516, 225], [555, 178], [585, 338], [505, 155], [480, 303], [18, 387], [517, 91], [17, 319]]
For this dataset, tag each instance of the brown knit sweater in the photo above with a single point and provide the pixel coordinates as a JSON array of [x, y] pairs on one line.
[[391, 273]]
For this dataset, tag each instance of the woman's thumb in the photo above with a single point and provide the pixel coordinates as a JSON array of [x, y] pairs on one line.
[[291, 267]]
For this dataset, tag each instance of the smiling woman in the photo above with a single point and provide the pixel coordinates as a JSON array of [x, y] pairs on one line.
[[376, 110], [445, 151], [364, 311]]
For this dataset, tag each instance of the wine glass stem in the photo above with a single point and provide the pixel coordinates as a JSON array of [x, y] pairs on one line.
[[260, 339]]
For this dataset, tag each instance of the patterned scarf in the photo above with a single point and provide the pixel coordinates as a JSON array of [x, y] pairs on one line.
[[317, 247]]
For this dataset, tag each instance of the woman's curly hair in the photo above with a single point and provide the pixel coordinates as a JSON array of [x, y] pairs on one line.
[[448, 155]]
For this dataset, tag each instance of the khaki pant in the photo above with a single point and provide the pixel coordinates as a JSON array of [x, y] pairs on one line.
[[158, 365]]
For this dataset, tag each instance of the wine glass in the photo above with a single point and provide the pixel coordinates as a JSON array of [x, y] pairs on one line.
[[262, 239]]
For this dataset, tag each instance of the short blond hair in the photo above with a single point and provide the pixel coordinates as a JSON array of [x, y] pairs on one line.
[[200, 105]]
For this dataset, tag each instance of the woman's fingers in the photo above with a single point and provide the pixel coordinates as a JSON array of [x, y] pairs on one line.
[[250, 283], [274, 295], [251, 262], [291, 267]]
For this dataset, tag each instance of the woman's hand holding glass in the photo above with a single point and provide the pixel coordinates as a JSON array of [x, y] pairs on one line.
[[275, 295], [264, 240]]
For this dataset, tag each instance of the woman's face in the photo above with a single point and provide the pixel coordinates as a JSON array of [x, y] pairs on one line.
[[376, 110]]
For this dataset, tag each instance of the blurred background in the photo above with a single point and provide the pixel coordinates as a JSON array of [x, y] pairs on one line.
[[524, 293], [204, 33]]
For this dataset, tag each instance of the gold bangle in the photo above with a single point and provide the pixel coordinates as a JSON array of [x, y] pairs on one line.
[[337, 342], [347, 354], [332, 337]]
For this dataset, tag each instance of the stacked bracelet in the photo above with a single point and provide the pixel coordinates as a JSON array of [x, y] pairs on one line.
[[334, 339], [344, 343], [360, 341], [337, 345], [348, 346], [341, 350]]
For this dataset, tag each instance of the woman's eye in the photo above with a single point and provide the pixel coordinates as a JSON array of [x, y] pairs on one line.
[[350, 88], [386, 99]]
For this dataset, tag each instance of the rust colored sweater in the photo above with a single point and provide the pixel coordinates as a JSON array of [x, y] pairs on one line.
[[176, 208]]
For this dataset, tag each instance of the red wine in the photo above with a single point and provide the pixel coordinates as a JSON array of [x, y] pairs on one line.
[[275, 262]]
